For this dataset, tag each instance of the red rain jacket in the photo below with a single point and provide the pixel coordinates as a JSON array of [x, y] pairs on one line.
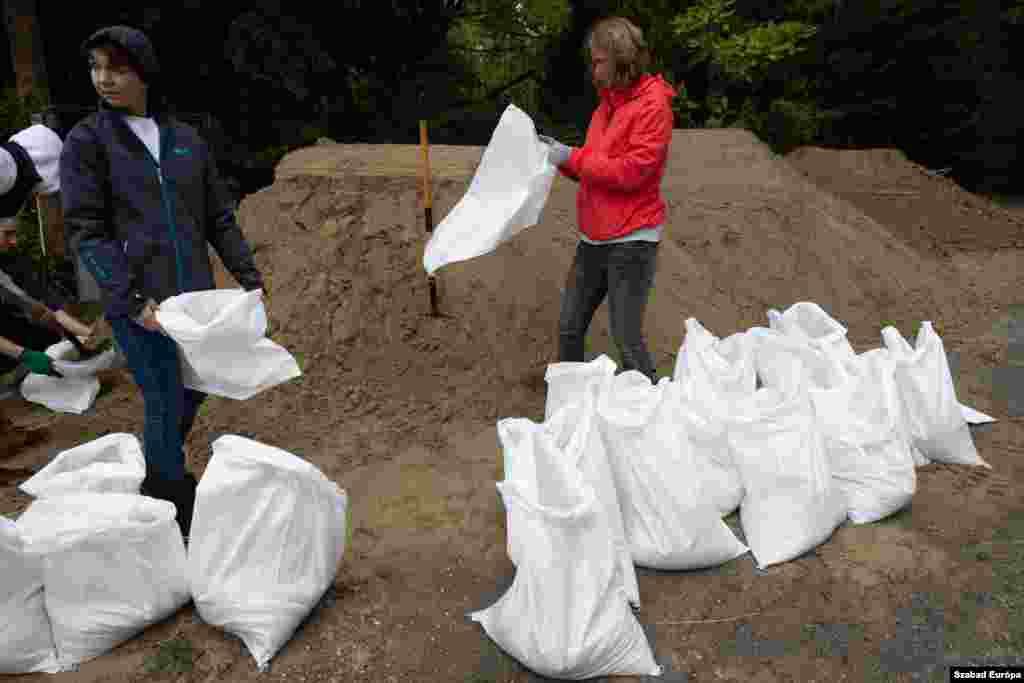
[[621, 164]]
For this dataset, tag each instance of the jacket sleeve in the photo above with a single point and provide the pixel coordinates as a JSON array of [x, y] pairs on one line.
[[223, 231], [86, 218], [646, 151], [27, 279]]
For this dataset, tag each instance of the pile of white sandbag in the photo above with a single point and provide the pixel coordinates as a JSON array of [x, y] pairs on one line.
[[622, 472], [91, 563]]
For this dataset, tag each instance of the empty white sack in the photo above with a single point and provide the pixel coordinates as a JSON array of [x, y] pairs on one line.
[[507, 194], [75, 392], [221, 335], [112, 463], [566, 614], [267, 537]]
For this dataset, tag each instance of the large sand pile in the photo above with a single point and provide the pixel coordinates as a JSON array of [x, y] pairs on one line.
[[929, 211]]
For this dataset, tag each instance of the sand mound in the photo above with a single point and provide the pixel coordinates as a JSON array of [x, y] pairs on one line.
[[930, 212], [342, 245]]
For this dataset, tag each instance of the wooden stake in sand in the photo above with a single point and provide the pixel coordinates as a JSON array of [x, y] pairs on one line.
[[428, 210]]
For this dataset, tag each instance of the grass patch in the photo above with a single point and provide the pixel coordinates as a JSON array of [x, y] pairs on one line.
[[174, 656]]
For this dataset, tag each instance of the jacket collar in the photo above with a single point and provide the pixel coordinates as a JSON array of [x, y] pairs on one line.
[[617, 97]]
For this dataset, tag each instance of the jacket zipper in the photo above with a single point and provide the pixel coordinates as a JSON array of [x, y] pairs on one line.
[[170, 220]]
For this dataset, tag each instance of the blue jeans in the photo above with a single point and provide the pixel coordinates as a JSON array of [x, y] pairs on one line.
[[170, 407], [624, 272]]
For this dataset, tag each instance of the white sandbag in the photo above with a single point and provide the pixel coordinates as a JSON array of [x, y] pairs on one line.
[[869, 456], [74, 393], [808, 322], [566, 381], [669, 522], [507, 194], [894, 403], [69, 365], [716, 372], [26, 641], [790, 364], [112, 564], [974, 417], [790, 503], [577, 435], [112, 463], [267, 536], [221, 335], [712, 375], [566, 614], [934, 416], [721, 485]]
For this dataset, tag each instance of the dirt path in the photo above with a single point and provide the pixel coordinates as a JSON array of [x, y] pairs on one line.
[[400, 410]]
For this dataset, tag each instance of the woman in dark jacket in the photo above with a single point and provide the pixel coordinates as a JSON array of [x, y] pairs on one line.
[[142, 198]]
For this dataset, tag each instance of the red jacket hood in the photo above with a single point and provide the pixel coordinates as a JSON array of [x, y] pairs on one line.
[[616, 97]]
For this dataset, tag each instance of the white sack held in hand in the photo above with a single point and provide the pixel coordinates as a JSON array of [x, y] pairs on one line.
[[26, 639], [113, 564], [567, 380], [73, 393], [507, 194], [869, 455], [566, 614], [112, 463], [790, 503], [670, 523], [268, 534], [576, 433], [809, 323], [221, 337], [934, 418]]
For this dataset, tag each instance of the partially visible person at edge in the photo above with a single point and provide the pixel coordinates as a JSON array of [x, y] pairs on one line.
[[33, 312], [142, 193], [620, 209]]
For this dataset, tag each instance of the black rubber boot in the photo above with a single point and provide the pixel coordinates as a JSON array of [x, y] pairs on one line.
[[181, 493]]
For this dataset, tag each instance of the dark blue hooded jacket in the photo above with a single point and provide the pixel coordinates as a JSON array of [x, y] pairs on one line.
[[141, 228]]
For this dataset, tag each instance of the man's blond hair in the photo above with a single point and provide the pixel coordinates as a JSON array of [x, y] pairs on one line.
[[628, 54]]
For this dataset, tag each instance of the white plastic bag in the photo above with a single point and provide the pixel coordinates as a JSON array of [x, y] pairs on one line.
[[507, 194], [790, 503], [73, 393], [112, 463], [221, 335], [112, 564], [566, 381], [869, 455], [808, 322], [26, 639], [566, 614], [267, 536], [669, 522], [721, 484], [934, 417], [576, 433]]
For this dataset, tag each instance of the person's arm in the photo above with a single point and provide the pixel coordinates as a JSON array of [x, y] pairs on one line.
[[73, 324], [10, 349], [647, 150], [82, 179], [222, 229]]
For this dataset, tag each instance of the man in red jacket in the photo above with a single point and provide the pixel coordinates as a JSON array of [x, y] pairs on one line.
[[621, 212]]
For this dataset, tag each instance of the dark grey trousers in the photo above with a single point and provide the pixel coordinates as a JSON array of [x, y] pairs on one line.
[[624, 272]]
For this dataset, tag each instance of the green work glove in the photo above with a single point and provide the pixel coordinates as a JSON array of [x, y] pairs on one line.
[[38, 362]]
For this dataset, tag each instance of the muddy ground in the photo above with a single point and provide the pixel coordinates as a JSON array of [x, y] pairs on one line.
[[399, 408]]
